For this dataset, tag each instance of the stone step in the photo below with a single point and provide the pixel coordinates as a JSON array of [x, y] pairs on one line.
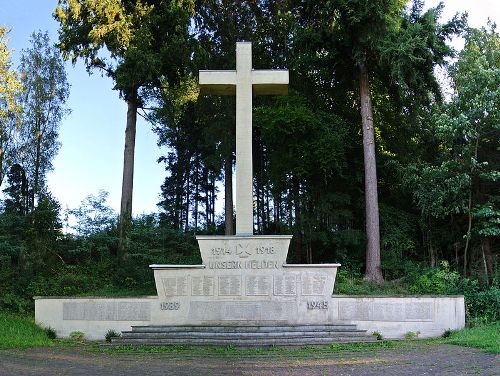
[[299, 341], [354, 333], [233, 329], [225, 335]]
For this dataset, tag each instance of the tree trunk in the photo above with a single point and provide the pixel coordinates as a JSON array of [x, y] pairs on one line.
[[228, 193], [433, 252], [373, 269], [196, 195], [188, 196], [469, 226], [488, 254], [128, 173], [36, 184], [212, 206], [2, 153], [207, 198], [456, 246]]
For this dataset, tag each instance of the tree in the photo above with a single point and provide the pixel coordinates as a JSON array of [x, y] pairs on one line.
[[93, 215], [461, 179], [147, 45], [16, 191], [10, 88], [375, 42], [44, 105]]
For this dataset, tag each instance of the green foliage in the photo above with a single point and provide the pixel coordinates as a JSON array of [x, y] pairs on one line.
[[51, 333], [77, 335], [482, 305], [18, 331], [454, 180], [485, 337], [438, 165], [147, 41], [398, 240], [43, 76], [110, 334], [10, 109], [93, 215], [350, 282], [438, 281], [10, 85], [412, 335]]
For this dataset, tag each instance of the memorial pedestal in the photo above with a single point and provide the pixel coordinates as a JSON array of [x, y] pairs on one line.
[[244, 280]]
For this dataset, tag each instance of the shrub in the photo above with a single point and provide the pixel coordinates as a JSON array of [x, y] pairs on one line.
[[447, 333], [110, 334], [439, 281], [51, 333], [412, 335], [77, 335], [482, 307]]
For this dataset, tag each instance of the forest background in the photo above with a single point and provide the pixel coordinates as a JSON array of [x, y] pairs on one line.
[[437, 154]]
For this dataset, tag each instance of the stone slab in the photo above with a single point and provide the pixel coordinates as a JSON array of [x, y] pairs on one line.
[[448, 312], [244, 279]]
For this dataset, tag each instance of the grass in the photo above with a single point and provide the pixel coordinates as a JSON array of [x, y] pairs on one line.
[[253, 352], [19, 331], [486, 337]]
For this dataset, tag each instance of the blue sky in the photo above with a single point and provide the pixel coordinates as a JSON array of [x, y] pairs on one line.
[[92, 136]]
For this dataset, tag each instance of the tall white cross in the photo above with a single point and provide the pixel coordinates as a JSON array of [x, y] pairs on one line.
[[244, 81]]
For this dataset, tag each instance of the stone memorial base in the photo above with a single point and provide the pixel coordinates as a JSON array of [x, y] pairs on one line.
[[244, 281], [391, 316]]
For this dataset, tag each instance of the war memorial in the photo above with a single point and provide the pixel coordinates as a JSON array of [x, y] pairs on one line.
[[244, 292]]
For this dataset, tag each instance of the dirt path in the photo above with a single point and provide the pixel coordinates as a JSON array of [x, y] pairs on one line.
[[416, 360]]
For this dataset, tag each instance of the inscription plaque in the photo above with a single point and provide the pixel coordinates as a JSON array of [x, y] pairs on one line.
[[419, 311], [229, 285], [259, 285], [107, 311], [175, 286], [285, 285], [388, 311], [202, 286], [354, 311], [242, 311], [313, 284]]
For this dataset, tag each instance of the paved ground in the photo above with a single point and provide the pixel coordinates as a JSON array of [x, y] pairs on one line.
[[416, 360]]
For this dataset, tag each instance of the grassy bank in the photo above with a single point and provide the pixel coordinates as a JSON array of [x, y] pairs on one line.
[[486, 337], [18, 331]]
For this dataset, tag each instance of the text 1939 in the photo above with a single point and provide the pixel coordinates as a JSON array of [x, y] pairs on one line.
[[170, 306]]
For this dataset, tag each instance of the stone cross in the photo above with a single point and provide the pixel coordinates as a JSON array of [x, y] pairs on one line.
[[244, 81]]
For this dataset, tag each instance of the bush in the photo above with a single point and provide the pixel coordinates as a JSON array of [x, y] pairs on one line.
[[110, 334], [412, 335], [77, 335], [349, 282], [51, 333], [438, 281], [482, 307]]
